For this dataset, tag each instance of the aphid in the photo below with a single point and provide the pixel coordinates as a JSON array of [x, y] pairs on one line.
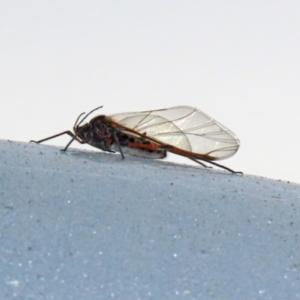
[[182, 130]]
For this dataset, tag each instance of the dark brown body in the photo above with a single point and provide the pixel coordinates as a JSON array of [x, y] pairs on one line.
[[102, 133]]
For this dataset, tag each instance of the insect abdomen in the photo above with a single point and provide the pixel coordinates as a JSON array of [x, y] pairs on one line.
[[137, 146]]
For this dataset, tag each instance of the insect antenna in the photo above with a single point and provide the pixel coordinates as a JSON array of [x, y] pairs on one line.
[[86, 115], [77, 123]]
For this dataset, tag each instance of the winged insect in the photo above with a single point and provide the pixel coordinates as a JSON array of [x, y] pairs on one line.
[[182, 130]]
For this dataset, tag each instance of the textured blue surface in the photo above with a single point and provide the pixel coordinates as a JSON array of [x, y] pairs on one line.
[[86, 225]]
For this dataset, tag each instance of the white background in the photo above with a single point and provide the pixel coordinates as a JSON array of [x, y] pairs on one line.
[[238, 61]]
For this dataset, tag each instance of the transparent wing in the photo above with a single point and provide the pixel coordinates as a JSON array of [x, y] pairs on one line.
[[184, 127]]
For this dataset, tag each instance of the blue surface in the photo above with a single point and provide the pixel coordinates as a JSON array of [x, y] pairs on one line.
[[87, 225]]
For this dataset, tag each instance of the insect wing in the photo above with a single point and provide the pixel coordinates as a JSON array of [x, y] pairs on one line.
[[184, 127]]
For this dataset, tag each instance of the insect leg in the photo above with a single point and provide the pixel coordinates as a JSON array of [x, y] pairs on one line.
[[72, 140], [215, 164], [199, 162], [59, 134], [197, 159], [74, 137], [116, 140], [223, 167]]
